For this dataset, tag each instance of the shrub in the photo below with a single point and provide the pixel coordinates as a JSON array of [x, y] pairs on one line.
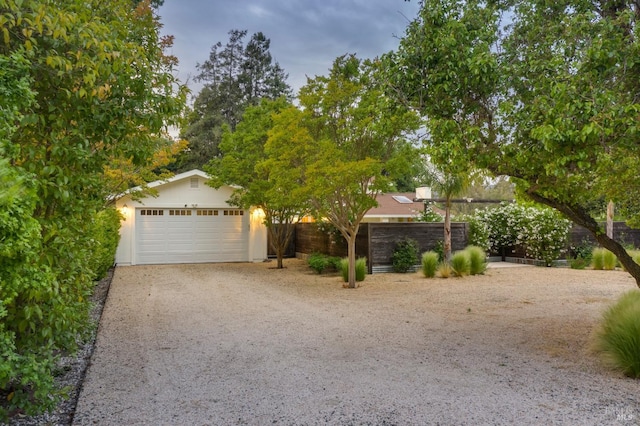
[[318, 262], [477, 260], [444, 270], [334, 263], [460, 263], [618, 337], [597, 258], [544, 235], [542, 232], [361, 268], [107, 225], [430, 261], [478, 232], [609, 260], [582, 250], [578, 263], [405, 255]]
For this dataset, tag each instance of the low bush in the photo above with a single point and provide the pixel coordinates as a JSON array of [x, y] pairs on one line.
[[405, 255], [323, 263], [477, 260], [318, 262], [361, 268], [578, 263], [430, 261], [460, 263], [582, 251], [444, 270], [618, 337]]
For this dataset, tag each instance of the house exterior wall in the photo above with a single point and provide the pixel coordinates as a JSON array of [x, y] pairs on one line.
[[182, 194]]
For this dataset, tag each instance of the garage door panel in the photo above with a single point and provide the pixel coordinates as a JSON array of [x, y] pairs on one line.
[[191, 236]]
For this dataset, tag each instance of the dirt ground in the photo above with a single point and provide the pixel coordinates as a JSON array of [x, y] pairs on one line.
[[250, 344]]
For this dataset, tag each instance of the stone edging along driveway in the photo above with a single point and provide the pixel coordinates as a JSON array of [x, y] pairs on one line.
[[248, 344]]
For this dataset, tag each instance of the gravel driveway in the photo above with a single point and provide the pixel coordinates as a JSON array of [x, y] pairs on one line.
[[226, 344]]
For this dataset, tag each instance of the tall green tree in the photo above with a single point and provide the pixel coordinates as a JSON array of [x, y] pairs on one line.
[[574, 108], [102, 89], [550, 99], [235, 76], [263, 177], [359, 144]]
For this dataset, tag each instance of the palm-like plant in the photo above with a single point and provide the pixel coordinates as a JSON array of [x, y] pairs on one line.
[[447, 185]]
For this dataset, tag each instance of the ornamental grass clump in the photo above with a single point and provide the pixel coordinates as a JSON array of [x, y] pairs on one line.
[[430, 260], [477, 260], [597, 258], [361, 268], [460, 263], [609, 260], [617, 339], [444, 270]]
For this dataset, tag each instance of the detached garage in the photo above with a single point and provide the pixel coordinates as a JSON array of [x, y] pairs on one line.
[[189, 222]]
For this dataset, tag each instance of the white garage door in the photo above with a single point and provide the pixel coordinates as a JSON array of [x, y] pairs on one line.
[[191, 235]]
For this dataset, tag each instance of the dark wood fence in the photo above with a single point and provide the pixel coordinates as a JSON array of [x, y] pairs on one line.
[[376, 241], [621, 233], [290, 250]]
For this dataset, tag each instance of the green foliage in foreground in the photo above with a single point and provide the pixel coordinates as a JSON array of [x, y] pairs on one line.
[[361, 269], [107, 226], [618, 337], [82, 84], [430, 260]]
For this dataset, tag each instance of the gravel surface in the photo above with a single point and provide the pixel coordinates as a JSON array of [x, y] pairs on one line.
[[226, 344]]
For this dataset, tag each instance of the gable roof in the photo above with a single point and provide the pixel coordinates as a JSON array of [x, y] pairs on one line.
[[397, 204], [160, 182], [175, 178]]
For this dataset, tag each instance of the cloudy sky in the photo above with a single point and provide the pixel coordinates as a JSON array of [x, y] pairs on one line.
[[306, 35]]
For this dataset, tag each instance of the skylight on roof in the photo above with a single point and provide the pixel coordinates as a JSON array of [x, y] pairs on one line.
[[402, 199]]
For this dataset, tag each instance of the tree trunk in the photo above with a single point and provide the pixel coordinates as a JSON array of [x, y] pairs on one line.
[[280, 236], [580, 217], [351, 250], [280, 257], [447, 231]]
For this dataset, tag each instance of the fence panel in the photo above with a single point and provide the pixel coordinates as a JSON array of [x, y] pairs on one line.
[[385, 236], [291, 247]]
